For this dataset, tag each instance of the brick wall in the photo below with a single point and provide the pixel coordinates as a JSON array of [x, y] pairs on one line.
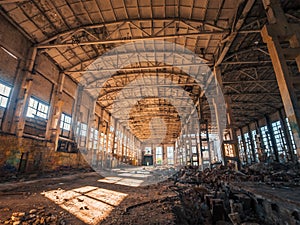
[[30, 155]]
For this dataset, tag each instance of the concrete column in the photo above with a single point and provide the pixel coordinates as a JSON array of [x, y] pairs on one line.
[[114, 137], [230, 128], [90, 125], [123, 145], [261, 147], [107, 137], [76, 116], [7, 123], [279, 28], [287, 137], [101, 153], [252, 144], [98, 143], [24, 94], [229, 119], [53, 126]]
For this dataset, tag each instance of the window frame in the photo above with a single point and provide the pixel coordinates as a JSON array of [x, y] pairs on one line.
[[159, 155], [3, 96], [37, 110], [65, 132]]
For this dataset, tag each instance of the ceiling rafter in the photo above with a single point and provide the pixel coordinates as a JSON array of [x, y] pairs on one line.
[[125, 40], [123, 22], [235, 29]]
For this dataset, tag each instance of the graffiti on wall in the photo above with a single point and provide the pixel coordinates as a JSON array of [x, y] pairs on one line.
[[13, 160]]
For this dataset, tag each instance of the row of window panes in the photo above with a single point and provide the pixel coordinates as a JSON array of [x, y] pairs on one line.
[[37, 108], [266, 140]]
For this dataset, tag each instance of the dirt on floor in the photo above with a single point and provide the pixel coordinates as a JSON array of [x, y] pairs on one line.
[[84, 199], [124, 196]]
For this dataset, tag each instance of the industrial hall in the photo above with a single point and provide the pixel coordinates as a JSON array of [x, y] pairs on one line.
[[150, 112]]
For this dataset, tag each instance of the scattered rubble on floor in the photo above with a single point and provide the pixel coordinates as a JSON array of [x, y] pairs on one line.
[[259, 172], [212, 196], [261, 194], [36, 216], [216, 196]]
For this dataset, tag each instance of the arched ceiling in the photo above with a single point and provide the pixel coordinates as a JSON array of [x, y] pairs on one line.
[[225, 33], [162, 114]]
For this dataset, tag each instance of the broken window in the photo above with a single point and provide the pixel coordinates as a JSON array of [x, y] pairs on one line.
[[159, 155], [37, 108], [170, 154], [5, 91], [93, 139], [254, 135], [83, 133], [241, 150], [267, 141], [65, 125], [248, 147], [148, 151], [291, 135], [36, 117], [4, 94], [280, 140]]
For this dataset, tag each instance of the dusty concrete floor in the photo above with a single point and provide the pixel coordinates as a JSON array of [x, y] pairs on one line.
[[144, 195], [121, 197]]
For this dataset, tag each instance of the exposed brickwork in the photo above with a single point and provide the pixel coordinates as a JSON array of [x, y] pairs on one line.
[[32, 155]]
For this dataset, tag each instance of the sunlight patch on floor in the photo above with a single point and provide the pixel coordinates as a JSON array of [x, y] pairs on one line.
[[133, 175], [122, 181], [89, 204]]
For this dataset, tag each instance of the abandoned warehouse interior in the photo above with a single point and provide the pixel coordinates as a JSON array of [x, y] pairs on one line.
[[150, 112]]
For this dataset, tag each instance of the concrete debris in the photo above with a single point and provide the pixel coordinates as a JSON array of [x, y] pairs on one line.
[[207, 197], [36, 216], [216, 196], [260, 172]]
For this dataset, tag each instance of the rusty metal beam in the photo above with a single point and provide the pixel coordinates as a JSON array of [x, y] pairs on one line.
[[235, 30], [122, 40]]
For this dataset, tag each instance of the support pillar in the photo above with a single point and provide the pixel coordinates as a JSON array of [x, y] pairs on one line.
[[229, 119], [260, 145], [7, 122], [287, 137], [252, 144], [24, 95], [53, 129], [101, 138], [76, 116], [280, 29], [234, 140]]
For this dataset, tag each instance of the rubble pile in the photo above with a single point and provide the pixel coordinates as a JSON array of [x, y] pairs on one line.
[[260, 172], [207, 197], [275, 172], [263, 193], [201, 205], [36, 216]]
